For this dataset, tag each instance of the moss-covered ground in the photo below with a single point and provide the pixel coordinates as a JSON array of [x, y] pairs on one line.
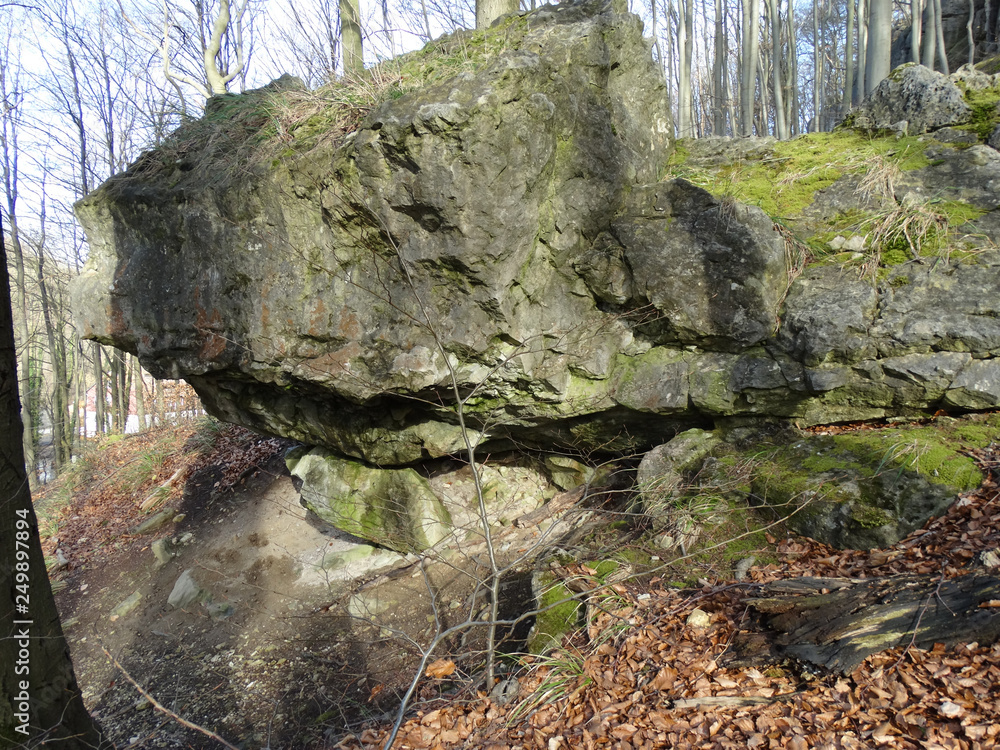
[[784, 179]]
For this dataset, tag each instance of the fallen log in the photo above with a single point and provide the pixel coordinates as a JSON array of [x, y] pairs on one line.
[[835, 623]]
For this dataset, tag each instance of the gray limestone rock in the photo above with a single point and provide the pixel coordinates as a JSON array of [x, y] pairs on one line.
[[926, 99], [185, 591]]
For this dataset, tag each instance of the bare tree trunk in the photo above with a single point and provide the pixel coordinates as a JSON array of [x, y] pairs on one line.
[[487, 11], [350, 37], [859, 77], [100, 412], [792, 100], [780, 126], [817, 69], [140, 395], [748, 67], [849, 60], [685, 29], [879, 42], [968, 26], [40, 702], [719, 71], [929, 41], [939, 29], [916, 28]]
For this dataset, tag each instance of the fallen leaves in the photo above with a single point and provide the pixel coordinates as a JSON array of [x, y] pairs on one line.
[[657, 682]]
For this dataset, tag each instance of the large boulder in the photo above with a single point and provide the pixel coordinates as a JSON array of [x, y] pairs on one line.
[[497, 258], [922, 98]]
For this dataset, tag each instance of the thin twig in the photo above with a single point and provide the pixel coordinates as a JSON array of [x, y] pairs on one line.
[[163, 709]]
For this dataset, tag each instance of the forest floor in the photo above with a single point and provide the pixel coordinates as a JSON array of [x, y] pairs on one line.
[[262, 659]]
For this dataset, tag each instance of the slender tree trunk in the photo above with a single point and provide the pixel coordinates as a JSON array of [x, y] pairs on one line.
[[859, 77], [100, 412], [38, 690], [817, 69], [849, 60], [748, 68], [939, 28], [929, 40], [350, 37], [719, 71], [879, 42], [487, 11], [792, 100], [780, 125], [140, 395], [916, 28], [968, 26], [685, 27]]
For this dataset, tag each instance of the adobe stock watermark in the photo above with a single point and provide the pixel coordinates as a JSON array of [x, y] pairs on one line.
[[21, 627]]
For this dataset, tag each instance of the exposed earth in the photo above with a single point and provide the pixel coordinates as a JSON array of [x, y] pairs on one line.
[[267, 656]]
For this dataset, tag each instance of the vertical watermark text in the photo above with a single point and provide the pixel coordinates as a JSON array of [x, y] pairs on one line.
[[21, 627]]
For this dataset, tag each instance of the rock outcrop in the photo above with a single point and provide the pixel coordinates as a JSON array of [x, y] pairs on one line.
[[505, 250], [913, 99]]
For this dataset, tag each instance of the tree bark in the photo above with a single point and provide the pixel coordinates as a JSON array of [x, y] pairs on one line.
[[859, 77], [350, 37], [748, 66], [487, 11], [685, 29], [718, 71], [879, 42], [836, 623], [781, 129], [849, 60], [817, 70], [916, 28], [36, 673]]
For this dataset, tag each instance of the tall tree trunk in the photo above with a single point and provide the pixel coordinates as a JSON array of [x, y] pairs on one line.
[[719, 71], [140, 394], [859, 76], [879, 42], [849, 60], [350, 37], [780, 127], [916, 28], [968, 27], [929, 41], [100, 410], [685, 28], [817, 69], [39, 697], [792, 100], [939, 28], [487, 11], [748, 67]]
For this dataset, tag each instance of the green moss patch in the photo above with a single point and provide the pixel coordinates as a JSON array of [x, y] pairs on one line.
[[784, 182]]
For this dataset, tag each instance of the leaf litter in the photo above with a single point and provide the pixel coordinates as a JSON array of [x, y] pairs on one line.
[[649, 680]]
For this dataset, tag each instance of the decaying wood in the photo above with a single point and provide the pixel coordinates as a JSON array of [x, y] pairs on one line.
[[836, 623]]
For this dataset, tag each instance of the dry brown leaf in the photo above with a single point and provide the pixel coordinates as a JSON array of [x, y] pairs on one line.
[[440, 668]]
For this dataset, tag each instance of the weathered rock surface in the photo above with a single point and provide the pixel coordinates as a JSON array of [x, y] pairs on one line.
[[856, 490], [923, 98], [501, 249], [407, 511]]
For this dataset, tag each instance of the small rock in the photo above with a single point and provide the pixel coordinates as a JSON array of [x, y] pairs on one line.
[[742, 568], [61, 560], [854, 244], [126, 606], [142, 704], [505, 691], [185, 591], [162, 551], [699, 619], [187, 537], [154, 522], [989, 558]]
